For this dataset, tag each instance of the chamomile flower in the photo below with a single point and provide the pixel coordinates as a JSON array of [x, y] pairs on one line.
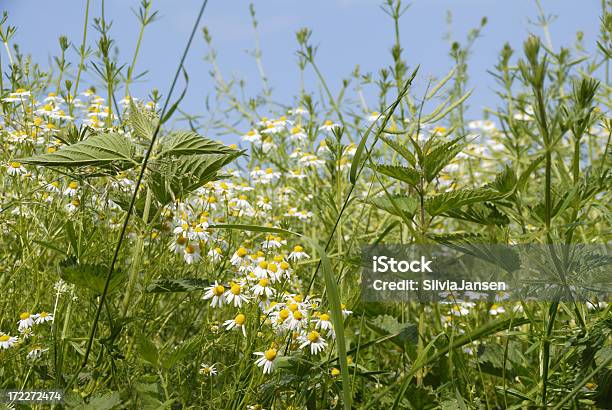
[[297, 134], [328, 126], [208, 370], [72, 189], [242, 203], [236, 323], [314, 341], [266, 360], [178, 246], [43, 317], [192, 253], [496, 309], [7, 341], [323, 322], [15, 169], [374, 115], [215, 254], [298, 254], [35, 352], [216, 294], [238, 258], [272, 242], [263, 288], [235, 295], [297, 319], [26, 320]]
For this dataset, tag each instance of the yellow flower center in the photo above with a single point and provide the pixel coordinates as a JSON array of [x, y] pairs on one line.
[[24, 316], [270, 354], [240, 319], [313, 337], [293, 307], [4, 338], [284, 265], [263, 265], [43, 314], [235, 289], [269, 171], [283, 314], [329, 122], [15, 164], [73, 185], [325, 317], [181, 240], [298, 249], [218, 290], [298, 298], [297, 315], [241, 252], [190, 249], [264, 282], [272, 267], [278, 258]]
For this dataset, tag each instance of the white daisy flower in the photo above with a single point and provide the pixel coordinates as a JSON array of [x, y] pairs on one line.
[[73, 189], [314, 340], [252, 136], [35, 352], [43, 317], [215, 254], [234, 295], [208, 370], [26, 320], [237, 323], [192, 253], [266, 360], [298, 254], [496, 309], [15, 169], [7, 341], [328, 126], [215, 293], [263, 288], [271, 242]]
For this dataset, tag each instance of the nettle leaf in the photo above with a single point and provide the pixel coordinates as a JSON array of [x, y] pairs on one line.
[[175, 177], [506, 181], [406, 174], [400, 149], [190, 143], [440, 156], [143, 125], [406, 204], [441, 203], [101, 150], [90, 276], [481, 213], [177, 285]]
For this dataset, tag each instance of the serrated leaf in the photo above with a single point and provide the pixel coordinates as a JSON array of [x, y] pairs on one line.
[[143, 127], [446, 201], [440, 156], [177, 285], [406, 174], [175, 177], [190, 143], [102, 150], [90, 276], [407, 204], [505, 181], [481, 213], [400, 149]]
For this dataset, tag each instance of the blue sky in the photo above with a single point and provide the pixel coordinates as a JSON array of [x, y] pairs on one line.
[[348, 32]]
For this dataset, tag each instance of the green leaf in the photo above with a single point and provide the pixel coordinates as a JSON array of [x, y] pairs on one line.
[[506, 181], [148, 351], [143, 127], [400, 149], [333, 298], [406, 174], [190, 143], [101, 150], [177, 285], [106, 401], [175, 177], [480, 213], [446, 201], [90, 276], [527, 172], [441, 156], [407, 204], [388, 113]]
